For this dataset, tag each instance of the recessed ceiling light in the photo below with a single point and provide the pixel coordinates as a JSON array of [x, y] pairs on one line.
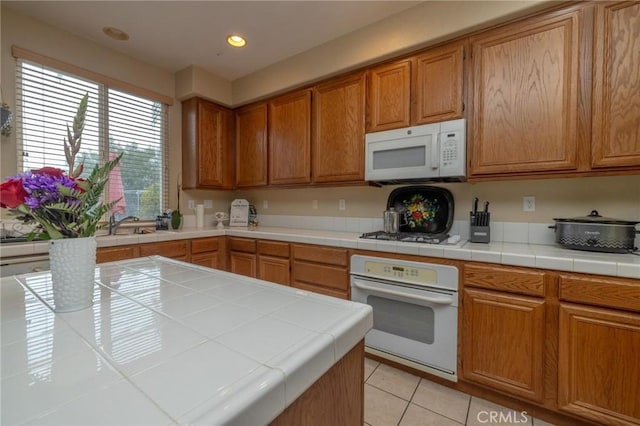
[[236, 40], [115, 33]]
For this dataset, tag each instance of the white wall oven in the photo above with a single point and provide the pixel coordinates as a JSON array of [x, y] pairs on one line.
[[415, 311]]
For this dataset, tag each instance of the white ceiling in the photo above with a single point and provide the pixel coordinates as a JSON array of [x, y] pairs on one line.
[[176, 34]]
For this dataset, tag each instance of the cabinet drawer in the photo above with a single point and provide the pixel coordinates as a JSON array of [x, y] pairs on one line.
[[273, 248], [242, 244], [203, 245], [330, 255], [323, 275], [513, 280], [611, 292], [111, 254], [175, 249]]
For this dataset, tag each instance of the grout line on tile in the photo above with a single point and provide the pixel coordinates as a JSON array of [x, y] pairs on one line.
[[466, 420]]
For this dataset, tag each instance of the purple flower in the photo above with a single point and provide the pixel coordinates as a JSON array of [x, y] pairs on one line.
[[43, 188]]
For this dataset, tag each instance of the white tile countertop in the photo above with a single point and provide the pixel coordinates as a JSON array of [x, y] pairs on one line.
[[515, 254], [167, 342]]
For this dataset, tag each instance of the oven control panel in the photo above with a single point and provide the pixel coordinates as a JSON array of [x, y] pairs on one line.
[[405, 273], [421, 274]]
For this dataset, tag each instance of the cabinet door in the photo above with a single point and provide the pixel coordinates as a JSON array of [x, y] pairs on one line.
[[290, 139], [338, 143], [209, 260], [599, 372], [503, 342], [389, 96], [274, 269], [243, 263], [251, 146], [438, 85], [525, 97], [173, 249], [616, 86], [207, 148]]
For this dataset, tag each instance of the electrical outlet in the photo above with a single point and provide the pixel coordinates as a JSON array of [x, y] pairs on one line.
[[265, 204], [208, 204], [342, 204], [529, 204], [314, 204], [191, 204]]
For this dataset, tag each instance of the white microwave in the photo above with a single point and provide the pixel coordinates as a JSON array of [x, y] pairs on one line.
[[430, 152]]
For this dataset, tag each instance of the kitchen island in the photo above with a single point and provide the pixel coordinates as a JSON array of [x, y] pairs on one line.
[[168, 342]]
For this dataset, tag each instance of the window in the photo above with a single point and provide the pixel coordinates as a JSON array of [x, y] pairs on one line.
[[116, 121]]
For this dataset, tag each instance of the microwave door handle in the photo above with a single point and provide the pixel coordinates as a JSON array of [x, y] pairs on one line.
[[435, 152], [436, 300]]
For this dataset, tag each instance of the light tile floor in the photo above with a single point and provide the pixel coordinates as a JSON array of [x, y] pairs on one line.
[[395, 397]]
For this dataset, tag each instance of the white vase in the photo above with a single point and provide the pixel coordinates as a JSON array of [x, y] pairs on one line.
[[73, 264]]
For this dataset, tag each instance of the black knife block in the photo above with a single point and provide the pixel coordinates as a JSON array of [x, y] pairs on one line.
[[479, 233]]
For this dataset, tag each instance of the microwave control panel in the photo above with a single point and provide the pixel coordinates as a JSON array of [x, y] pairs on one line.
[[452, 139], [450, 149]]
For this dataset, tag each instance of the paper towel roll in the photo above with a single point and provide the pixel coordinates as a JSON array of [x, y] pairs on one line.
[[200, 215]]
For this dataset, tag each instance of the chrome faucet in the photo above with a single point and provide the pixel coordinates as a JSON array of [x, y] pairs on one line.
[[113, 224]]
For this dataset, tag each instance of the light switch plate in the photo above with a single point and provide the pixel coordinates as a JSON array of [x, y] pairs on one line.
[[208, 204], [265, 204], [191, 204], [314, 204], [342, 204]]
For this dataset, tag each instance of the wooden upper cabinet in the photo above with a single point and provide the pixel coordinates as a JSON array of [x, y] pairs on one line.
[[338, 129], [438, 91], [616, 85], [290, 138], [525, 96], [207, 145], [251, 146], [389, 96]]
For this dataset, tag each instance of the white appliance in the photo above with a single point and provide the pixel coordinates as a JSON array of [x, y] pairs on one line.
[[430, 152], [24, 265], [415, 311]]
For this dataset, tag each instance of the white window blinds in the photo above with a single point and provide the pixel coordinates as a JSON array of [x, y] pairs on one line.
[[116, 122]]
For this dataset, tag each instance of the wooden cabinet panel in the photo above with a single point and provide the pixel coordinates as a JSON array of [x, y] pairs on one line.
[[243, 263], [389, 96], [319, 254], [209, 260], [525, 96], [438, 91], [246, 245], [621, 293], [251, 146], [513, 280], [174, 249], [273, 248], [616, 85], [290, 138], [111, 254], [202, 245], [503, 342], [207, 145], [274, 269], [599, 372], [338, 129], [321, 275]]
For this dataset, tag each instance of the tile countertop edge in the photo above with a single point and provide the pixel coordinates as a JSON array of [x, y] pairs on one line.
[[515, 254]]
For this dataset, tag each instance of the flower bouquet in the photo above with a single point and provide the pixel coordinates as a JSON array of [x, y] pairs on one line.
[[65, 209], [60, 205]]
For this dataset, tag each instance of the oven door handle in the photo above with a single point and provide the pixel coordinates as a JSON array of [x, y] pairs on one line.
[[436, 300]]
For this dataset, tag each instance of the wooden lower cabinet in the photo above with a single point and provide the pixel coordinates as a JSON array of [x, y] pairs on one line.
[[503, 342], [111, 254], [320, 269], [243, 264], [274, 269], [178, 250], [599, 368], [208, 252]]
